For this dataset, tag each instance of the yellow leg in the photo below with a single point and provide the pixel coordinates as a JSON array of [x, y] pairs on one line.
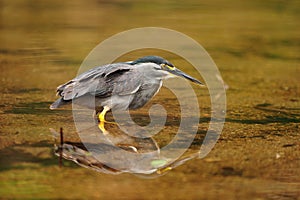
[[102, 114], [102, 128]]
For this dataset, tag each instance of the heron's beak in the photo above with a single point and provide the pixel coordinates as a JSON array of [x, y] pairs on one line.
[[177, 72]]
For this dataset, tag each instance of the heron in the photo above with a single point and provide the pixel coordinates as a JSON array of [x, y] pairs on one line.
[[119, 86]]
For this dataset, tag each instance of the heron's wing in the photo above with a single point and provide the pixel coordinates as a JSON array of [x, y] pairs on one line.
[[144, 94], [80, 84], [101, 82], [126, 83]]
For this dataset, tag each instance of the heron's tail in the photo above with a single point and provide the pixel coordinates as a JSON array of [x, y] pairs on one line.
[[59, 102]]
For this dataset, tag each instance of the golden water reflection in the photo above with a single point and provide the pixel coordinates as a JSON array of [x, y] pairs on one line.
[[117, 152]]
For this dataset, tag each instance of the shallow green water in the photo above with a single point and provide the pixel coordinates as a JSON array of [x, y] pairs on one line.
[[255, 45]]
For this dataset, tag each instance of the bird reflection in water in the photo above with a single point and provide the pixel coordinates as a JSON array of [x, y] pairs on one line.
[[118, 153]]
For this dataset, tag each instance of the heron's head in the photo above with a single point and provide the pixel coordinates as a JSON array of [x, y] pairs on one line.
[[166, 67]]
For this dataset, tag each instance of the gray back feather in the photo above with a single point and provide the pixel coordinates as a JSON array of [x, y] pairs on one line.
[[103, 81]]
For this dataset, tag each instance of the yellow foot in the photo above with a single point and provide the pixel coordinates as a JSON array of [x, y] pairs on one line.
[[101, 116], [161, 171], [102, 128], [107, 122], [102, 120]]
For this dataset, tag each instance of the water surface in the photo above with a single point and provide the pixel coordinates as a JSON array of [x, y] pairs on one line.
[[254, 43]]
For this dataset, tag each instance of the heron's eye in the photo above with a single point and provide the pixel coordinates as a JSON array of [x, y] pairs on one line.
[[167, 67]]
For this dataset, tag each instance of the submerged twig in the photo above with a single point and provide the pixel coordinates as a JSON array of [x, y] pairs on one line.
[[61, 146]]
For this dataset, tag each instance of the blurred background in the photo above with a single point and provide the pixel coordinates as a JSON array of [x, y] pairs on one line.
[[254, 43]]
